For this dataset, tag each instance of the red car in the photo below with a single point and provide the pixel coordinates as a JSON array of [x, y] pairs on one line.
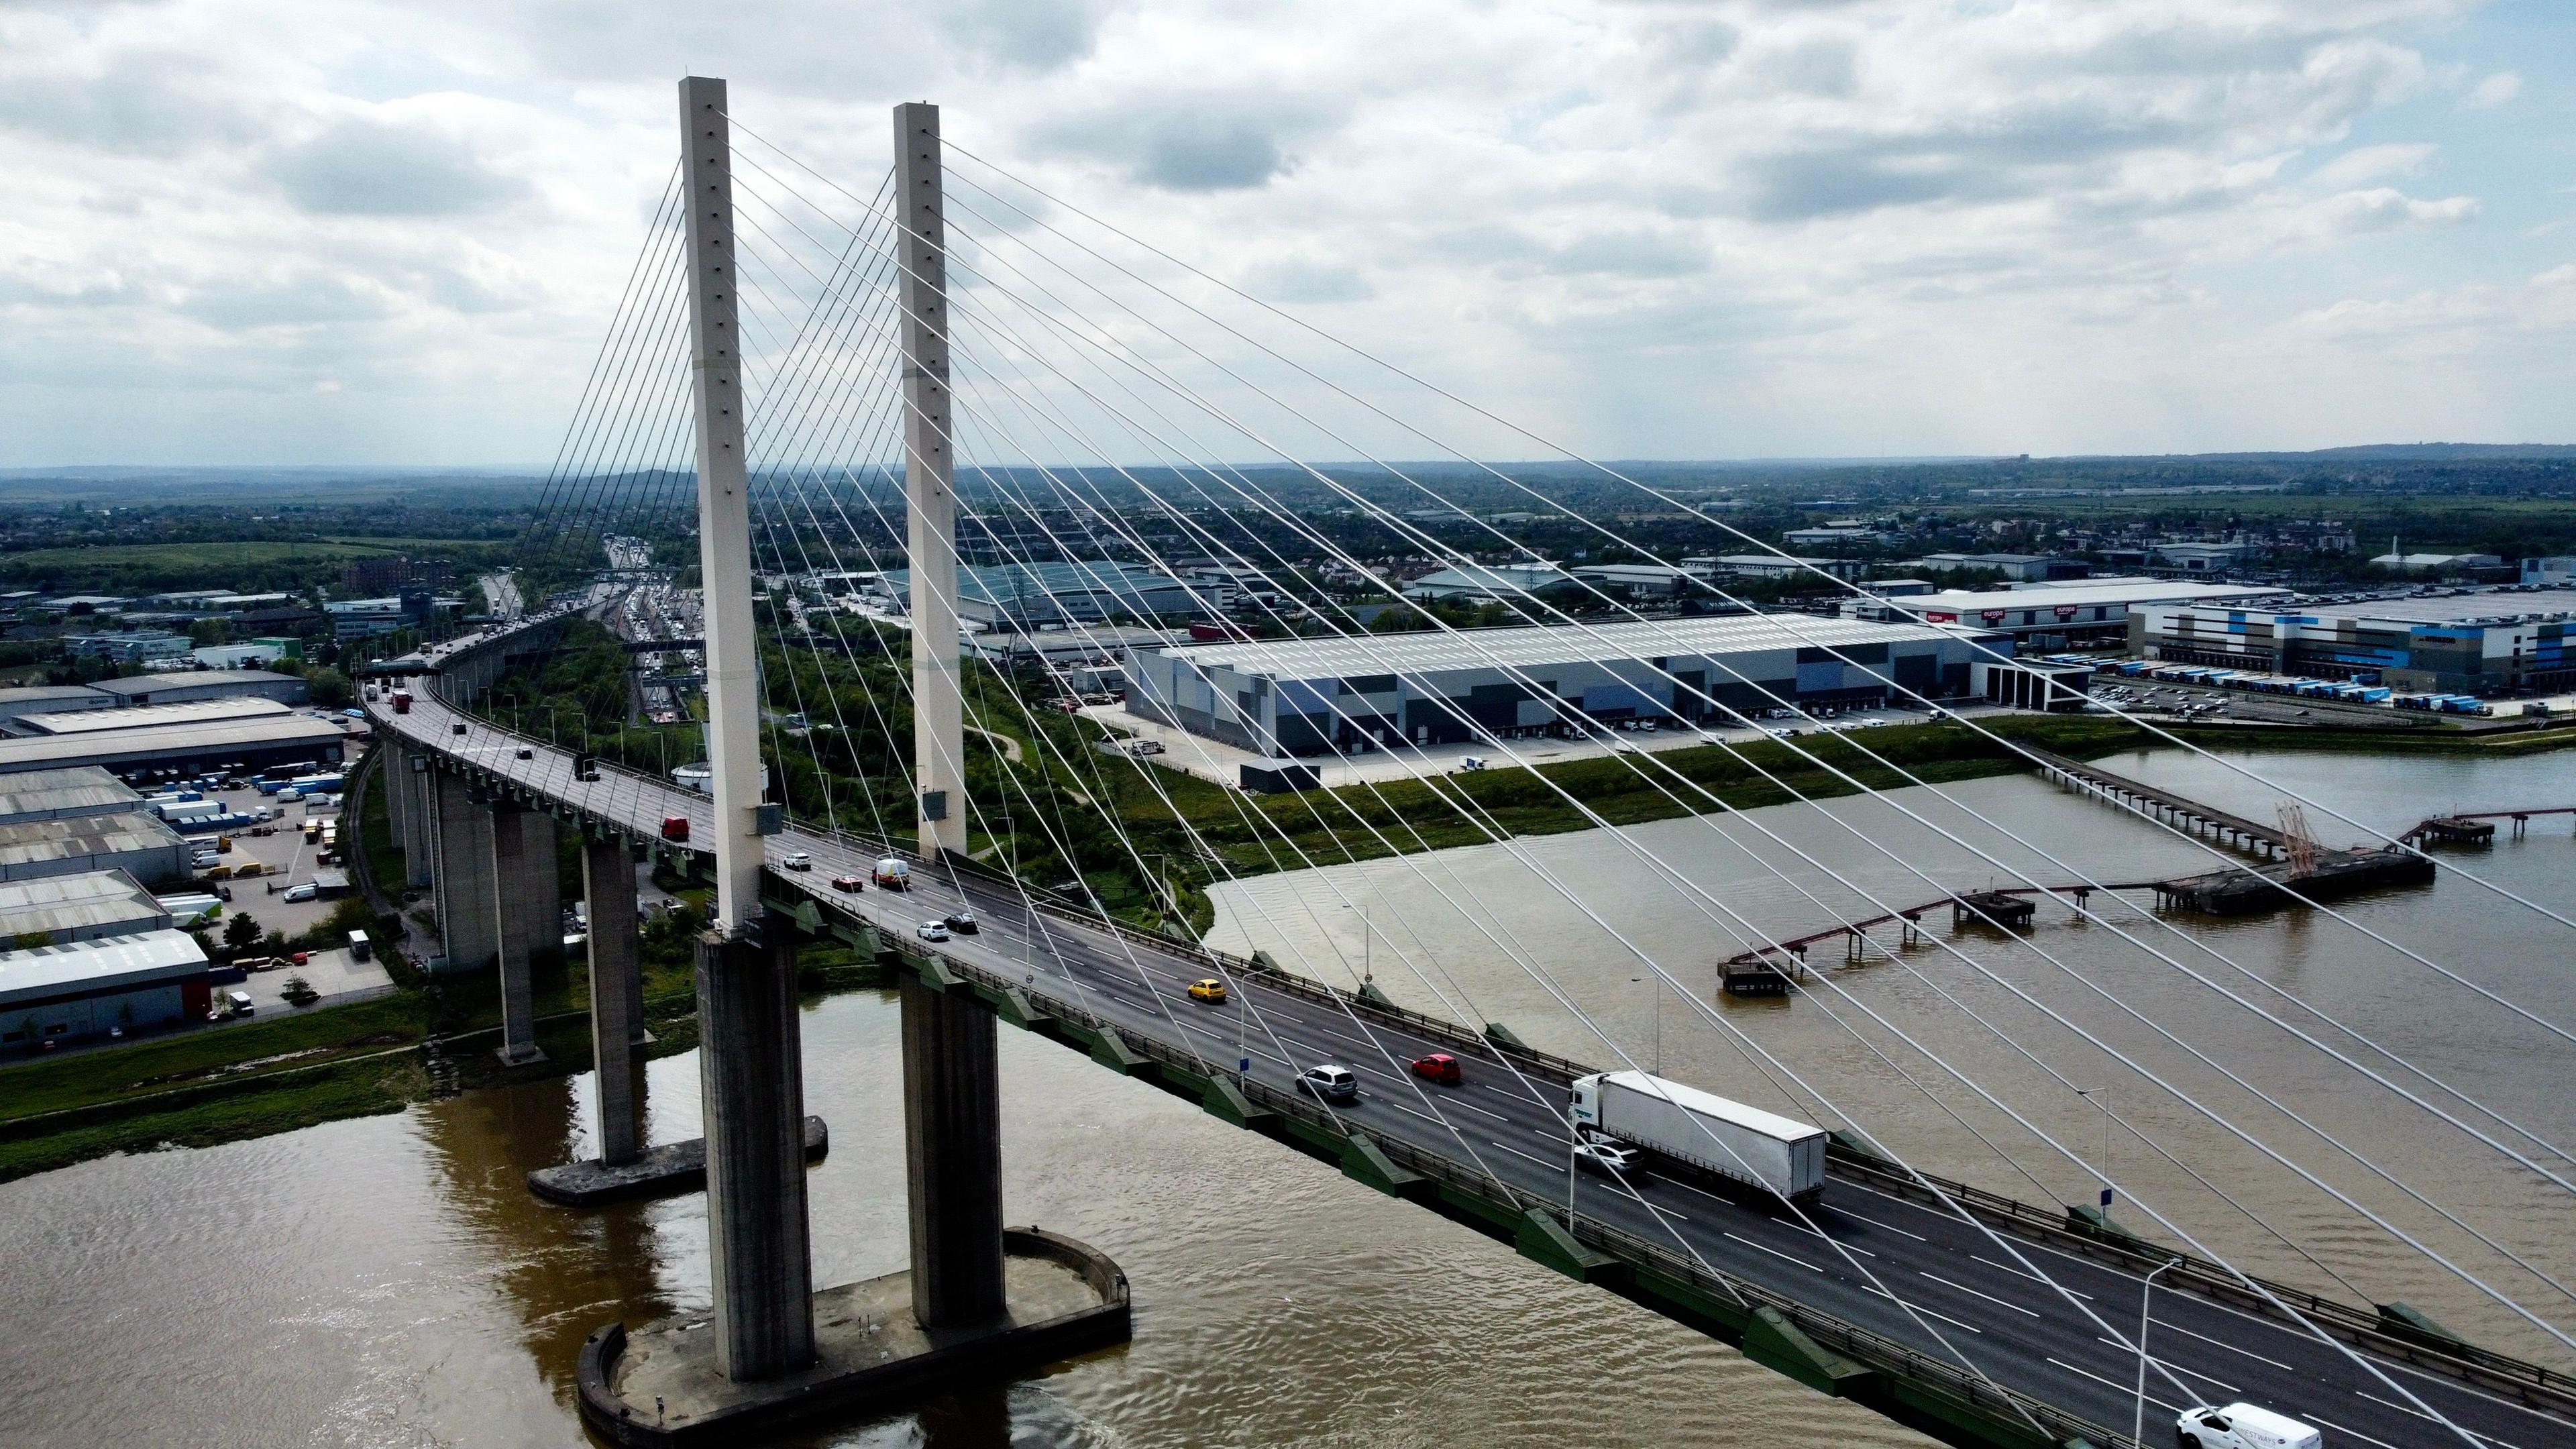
[[1439, 1067], [675, 827], [848, 884]]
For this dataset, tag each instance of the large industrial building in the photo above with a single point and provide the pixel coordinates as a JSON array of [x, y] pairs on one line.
[[136, 842], [63, 794], [93, 987], [184, 749], [1313, 696], [2097, 609], [2484, 643], [69, 722], [182, 685], [81, 907]]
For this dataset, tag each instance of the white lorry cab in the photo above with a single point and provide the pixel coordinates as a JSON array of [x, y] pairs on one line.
[[2243, 1426]]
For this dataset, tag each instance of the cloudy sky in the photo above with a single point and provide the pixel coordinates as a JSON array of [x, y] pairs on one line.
[[335, 231]]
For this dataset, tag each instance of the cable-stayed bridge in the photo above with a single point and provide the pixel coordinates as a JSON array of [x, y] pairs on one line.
[[803, 348]]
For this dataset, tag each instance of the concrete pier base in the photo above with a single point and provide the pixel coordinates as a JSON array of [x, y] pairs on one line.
[[751, 1081], [953, 1149], [665, 1171], [1062, 1299], [616, 996], [468, 921], [521, 838]]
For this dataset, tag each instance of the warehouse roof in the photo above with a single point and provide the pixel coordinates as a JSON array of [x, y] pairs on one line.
[[144, 746], [103, 965], [71, 696], [80, 790], [152, 716], [2484, 607], [2088, 593], [35, 842], [1542, 645], [86, 901], [134, 684]]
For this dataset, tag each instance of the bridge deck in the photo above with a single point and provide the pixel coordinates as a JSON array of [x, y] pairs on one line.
[[1496, 1146]]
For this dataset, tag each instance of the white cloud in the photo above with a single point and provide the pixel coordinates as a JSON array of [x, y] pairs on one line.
[[2493, 91], [1912, 224]]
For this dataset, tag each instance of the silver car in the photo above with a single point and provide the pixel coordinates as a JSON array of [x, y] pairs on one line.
[[932, 930], [1329, 1083]]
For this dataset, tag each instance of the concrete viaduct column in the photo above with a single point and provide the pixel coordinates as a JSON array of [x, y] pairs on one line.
[[953, 1149], [467, 917], [751, 1083], [408, 785], [616, 995], [526, 901]]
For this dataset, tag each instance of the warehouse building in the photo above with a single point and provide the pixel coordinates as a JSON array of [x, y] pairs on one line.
[[93, 988], [63, 794], [81, 907], [136, 842], [179, 750], [1292, 697], [16, 704], [2095, 609], [181, 685], [1043, 595], [70, 722], [2477, 643]]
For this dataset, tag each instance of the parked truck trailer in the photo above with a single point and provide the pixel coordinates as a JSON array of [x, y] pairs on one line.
[[1704, 1130]]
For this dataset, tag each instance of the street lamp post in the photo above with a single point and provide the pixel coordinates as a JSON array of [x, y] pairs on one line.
[[2088, 1094], [1656, 986], [2146, 1293]]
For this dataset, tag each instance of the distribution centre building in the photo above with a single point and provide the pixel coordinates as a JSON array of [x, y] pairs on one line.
[[83, 988], [2483, 643], [59, 794], [182, 749], [134, 841], [1312, 696], [2090, 608]]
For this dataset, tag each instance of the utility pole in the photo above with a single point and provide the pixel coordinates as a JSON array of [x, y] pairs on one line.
[[724, 503], [929, 479]]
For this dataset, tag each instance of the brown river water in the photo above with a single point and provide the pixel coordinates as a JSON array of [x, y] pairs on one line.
[[389, 1281]]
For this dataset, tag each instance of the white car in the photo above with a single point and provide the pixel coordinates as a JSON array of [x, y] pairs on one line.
[[932, 930], [2243, 1426], [303, 892], [799, 861]]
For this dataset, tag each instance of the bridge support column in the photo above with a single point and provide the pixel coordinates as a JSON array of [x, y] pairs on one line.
[[751, 1082], [616, 996], [467, 919], [526, 901], [408, 780], [952, 1127]]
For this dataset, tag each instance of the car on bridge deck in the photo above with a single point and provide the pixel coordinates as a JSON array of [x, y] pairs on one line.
[[457, 728], [526, 753], [932, 930], [1207, 988], [963, 923], [675, 827], [797, 861], [1329, 1083], [1608, 1158], [2242, 1426], [848, 884], [1438, 1067]]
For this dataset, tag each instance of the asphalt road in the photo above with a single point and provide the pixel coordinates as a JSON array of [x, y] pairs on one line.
[[2058, 1327]]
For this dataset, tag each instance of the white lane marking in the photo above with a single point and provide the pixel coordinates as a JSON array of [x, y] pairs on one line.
[[2428, 1418], [1926, 1312], [2172, 1366], [2223, 1343], [1516, 1152], [1976, 1293], [1775, 1252], [1875, 1223], [2123, 1388], [2356, 1433]]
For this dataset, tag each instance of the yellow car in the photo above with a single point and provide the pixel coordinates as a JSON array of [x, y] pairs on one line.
[[1210, 989]]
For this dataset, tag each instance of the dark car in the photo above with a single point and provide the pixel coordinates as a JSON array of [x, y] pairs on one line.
[[457, 728], [1439, 1067], [526, 754], [964, 923]]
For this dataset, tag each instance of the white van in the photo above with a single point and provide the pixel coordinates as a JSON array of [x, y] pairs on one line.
[[2243, 1426], [241, 1003]]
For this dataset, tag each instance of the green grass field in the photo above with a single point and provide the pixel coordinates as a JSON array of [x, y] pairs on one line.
[[150, 567]]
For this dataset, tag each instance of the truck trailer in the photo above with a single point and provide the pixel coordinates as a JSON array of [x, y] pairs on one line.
[[1704, 1130]]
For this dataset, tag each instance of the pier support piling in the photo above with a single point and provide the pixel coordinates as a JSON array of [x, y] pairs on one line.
[[953, 1150], [468, 920], [530, 915], [752, 1088], [616, 995]]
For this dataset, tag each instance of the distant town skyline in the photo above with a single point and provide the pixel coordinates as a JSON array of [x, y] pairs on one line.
[[277, 233]]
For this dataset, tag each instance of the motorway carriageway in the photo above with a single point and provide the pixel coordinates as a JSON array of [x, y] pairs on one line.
[[1992, 1310]]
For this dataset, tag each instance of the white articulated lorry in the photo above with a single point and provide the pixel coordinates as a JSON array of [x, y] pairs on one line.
[[1704, 1130]]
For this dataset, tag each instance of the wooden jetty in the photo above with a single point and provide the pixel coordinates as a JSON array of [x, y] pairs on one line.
[[1770, 970], [2146, 799], [2335, 874]]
